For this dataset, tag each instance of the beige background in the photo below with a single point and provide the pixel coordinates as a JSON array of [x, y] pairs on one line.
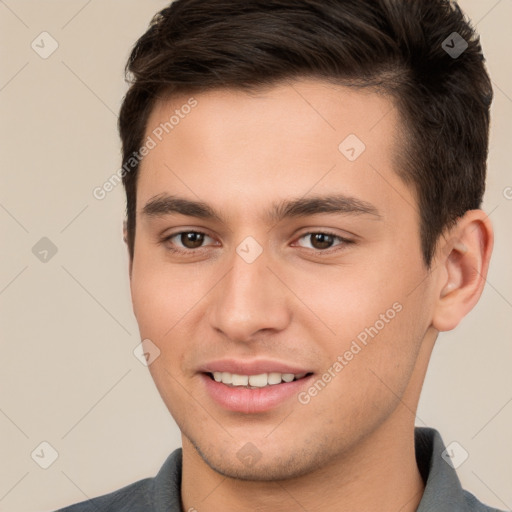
[[68, 374]]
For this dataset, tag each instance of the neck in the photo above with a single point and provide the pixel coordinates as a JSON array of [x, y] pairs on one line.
[[381, 474]]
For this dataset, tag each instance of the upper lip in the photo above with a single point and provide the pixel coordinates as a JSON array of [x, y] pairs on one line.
[[254, 367]]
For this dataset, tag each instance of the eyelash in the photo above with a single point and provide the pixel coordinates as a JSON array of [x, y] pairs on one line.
[[189, 252]]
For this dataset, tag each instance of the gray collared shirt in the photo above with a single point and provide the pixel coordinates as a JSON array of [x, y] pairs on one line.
[[443, 491]]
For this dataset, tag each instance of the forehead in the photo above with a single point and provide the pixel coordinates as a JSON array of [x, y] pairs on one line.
[[286, 140]]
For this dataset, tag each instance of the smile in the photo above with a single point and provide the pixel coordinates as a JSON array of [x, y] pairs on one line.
[[253, 394], [255, 381]]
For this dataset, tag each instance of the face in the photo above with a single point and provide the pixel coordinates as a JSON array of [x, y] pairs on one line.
[[274, 240]]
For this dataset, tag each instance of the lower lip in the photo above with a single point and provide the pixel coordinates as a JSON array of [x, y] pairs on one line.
[[250, 401]]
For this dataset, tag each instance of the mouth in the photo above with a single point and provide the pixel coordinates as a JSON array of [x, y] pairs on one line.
[[256, 393], [262, 380]]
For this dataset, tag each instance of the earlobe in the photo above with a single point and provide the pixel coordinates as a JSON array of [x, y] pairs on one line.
[[462, 265]]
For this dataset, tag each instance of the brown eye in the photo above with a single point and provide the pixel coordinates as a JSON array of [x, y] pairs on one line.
[[320, 241], [192, 239], [186, 241]]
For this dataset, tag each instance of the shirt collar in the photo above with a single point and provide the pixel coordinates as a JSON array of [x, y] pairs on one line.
[[443, 490]]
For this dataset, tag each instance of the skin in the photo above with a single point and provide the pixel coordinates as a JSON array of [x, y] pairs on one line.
[[352, 446]]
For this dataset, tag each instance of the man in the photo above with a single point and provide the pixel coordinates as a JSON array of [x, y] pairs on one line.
[[304, 181]]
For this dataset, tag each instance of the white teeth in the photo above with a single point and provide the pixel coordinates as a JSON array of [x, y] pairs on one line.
[[258, 381], [240, 380], [226, 377], [255, 381], [274, 378]]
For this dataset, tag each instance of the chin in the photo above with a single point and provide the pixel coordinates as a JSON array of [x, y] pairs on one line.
[[270, 468]]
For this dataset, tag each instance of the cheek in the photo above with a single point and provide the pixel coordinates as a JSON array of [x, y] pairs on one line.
[[161, 294], [145, 298], [370, 320], [343, 301]]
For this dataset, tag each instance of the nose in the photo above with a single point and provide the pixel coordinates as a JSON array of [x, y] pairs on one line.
[[248, 300]]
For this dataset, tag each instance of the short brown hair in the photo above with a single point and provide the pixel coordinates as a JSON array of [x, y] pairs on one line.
[[400, 47]]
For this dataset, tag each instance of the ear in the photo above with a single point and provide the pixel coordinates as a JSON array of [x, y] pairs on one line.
[[462, 261], [125, 240]]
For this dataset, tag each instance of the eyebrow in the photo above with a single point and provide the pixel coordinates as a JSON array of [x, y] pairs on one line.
[[165, 204]]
